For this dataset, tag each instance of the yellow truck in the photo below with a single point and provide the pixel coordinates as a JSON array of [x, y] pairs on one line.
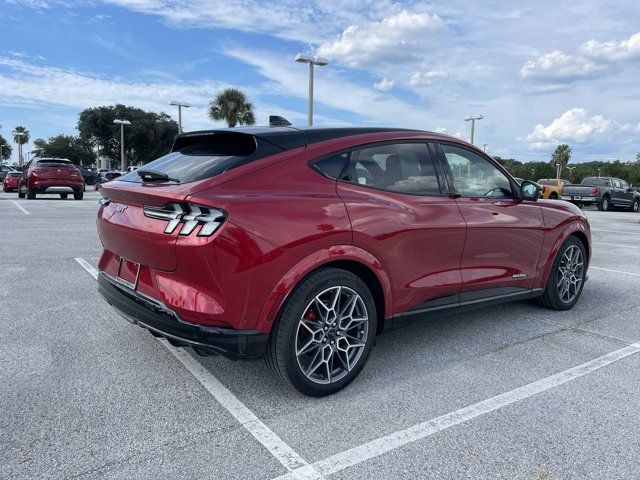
[[552, 187]]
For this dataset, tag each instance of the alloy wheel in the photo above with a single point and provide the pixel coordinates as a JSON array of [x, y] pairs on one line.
[[331, 335], [570, 274]]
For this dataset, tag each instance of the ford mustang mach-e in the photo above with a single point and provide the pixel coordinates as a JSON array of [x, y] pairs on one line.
[[302, 245]]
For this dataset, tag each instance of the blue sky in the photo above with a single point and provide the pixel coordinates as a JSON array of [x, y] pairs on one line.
[[540, 72]]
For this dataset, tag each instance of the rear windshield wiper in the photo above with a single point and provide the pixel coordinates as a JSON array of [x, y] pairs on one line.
[[153, 176]]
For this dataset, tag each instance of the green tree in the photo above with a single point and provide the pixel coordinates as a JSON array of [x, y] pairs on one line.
[[561, 155], [231, 105], [149, 136], [20, 136], [6, 149], [76, 149]]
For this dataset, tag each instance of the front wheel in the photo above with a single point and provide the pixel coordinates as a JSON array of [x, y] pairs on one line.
[[20, 192], [567, 276], [30, 194], [636, 205], [78, 193], [604, 205], [324, 333]]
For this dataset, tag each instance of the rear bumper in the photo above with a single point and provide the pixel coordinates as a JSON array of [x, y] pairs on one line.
[[161, 321]]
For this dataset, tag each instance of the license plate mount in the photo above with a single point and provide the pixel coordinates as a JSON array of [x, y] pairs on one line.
[[128, 273]]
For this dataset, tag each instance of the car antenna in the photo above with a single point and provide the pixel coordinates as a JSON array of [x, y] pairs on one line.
[[278, 121]]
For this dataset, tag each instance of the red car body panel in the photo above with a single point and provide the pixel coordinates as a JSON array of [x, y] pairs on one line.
[[39, 178], [284, 220]]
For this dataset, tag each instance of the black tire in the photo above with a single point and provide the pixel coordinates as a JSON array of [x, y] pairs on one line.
[[605, 204], [553, 196], [551, 297], [20, 192], [64, 195], [78, 194], [31, 195], [636, 206], [281, 349]]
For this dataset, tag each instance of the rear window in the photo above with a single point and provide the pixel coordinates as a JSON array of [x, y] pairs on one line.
[[203, 156], [14, 174], [111, 176], [598, 182], [547, 182], [55, 163]]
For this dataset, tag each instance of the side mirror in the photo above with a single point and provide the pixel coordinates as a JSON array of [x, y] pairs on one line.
[[529, 191]]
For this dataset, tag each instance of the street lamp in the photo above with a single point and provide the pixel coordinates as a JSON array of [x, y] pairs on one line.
[[599, 170], [321, 62], [571, 171], [123, 161], [473, 124], [15, 133], [2, 145], [558, 168], [484, 147], [178, 104]]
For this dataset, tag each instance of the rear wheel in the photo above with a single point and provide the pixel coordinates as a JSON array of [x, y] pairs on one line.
[[30, 194], [605, 204], [64, 195], [567, 276], [553, 196], [636, 205], [20, 192], [78, 193], [324, 333]]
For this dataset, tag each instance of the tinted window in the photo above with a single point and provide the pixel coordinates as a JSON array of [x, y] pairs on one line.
[[624, 184], [207, 155], [332, 166], [591, 181], [14, 174], [403, 168], [616, 183], [475, 176], [547, 182], [54, 163]]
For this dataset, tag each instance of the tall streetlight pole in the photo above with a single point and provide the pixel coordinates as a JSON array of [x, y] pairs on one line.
[[570, 172], [123, 161], [484, 147], [319, 61], [473, 124], [1, 146], [558, 170], [178, 104]]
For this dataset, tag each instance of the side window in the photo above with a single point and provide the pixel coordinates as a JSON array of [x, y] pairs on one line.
[[624, 185], [616, 184], [401, 167], [331, 167], [474, 176]]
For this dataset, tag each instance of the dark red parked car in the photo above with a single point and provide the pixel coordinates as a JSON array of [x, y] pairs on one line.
[[51, 175], [301, 245], [10, 182]]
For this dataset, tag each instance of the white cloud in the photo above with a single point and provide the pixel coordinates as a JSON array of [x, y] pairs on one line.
[[427, 78], [384, 85], [394, 39], [576, 125], [613, 51], [559, 66]]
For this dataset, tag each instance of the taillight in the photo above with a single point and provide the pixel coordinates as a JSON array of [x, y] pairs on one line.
[[38, 171], [190, 216], [596, 190]]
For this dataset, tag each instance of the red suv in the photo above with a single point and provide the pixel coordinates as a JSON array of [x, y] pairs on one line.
[[10, 182], [51, 175], [301, 245]]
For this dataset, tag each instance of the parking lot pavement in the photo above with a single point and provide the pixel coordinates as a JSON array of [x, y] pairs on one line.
[[86, 394]]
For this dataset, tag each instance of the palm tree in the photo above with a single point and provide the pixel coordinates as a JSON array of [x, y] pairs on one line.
[[232, 106], [561, 155], [20, 136]]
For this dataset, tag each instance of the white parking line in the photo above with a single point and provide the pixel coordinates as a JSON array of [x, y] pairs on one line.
[[88, 267], [379, 446], [615, 231], [21, 208], [615, 245], [286, 455], [615, 271]]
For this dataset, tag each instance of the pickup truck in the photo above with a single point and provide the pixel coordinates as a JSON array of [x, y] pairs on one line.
[[605, 192], [552, 187]]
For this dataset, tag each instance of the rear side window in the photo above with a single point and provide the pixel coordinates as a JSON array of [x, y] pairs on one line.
[[402, 167], [204, 156], [331, 167], [547, 182]]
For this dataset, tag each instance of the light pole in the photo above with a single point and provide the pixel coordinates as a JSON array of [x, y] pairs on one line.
[[178, 104], [2, 145], [123, 161], [484, 147], [570, 172], [599, 170], [473, 124], [321, 62], [558, 168], [19, 134]]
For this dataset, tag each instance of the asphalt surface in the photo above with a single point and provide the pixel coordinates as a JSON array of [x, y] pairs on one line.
[[84, 394]]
